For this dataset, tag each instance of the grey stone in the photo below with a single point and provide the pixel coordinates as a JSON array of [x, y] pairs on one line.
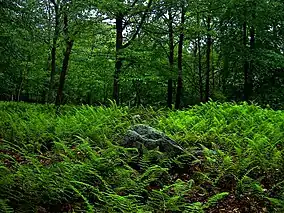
[[142, 135]]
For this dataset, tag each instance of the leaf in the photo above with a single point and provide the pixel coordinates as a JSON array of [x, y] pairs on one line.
[[213, 200]]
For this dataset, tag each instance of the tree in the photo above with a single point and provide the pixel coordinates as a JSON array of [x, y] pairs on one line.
[[75, 16], [57, 16], [69, 41], [180, 51], [190, 50], [22, 50], [126, 14]]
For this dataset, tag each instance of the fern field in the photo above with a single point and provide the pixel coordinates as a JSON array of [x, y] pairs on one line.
[[73, 161]]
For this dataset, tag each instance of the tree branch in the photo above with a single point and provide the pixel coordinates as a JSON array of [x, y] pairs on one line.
[[139, 26], [134, 2], [160, 43], [53, 2]]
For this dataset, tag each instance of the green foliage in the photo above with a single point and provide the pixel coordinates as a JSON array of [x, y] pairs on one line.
[[73, 161], [27, 33], [4, 207]]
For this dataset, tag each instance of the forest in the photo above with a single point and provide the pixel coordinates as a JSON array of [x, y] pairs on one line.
[[160, 106], [162, 53]]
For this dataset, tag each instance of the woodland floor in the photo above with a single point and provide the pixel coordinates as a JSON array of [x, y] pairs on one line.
[[73, 162]]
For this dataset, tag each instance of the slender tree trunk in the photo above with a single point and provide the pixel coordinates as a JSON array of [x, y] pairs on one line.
[[24, 74], [199, 63], [252, 38], [19, 91], [68, 49], [171, 59], [120, 46], [195, 49], [207, 85], [46, 83], [212, 68], [53, 51], [118, 62], [137, 84], [180, 50], [225, 73], [251, 64], [246, 65]]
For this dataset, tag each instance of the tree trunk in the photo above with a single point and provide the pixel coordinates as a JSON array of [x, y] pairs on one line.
[[53, 51], [19, 90], [45, 91], [68, 49], [59, 97], [180, 49], [118, 62], [251, 64], [138, 92], [207, 85], [212, 68], [120, 46], [199, 64], [225, 73], [24, 75], [246, 65], [171, 59]]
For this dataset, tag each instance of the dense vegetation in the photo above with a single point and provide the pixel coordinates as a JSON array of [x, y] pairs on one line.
[[92, 69], [73, 161], [149, 52]]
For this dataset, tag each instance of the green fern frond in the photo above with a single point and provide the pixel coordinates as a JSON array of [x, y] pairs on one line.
[[4, 207]]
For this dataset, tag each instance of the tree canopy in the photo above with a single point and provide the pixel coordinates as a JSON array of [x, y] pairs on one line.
[[142, 52]]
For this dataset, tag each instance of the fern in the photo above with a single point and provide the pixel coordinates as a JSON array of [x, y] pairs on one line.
[[76, 158], [213, 200], [4, 207]]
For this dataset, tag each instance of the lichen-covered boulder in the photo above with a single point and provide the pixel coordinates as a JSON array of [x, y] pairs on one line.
[[142, 135]]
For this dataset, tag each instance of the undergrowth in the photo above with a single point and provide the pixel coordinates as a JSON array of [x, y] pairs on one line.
[[73, 161]]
